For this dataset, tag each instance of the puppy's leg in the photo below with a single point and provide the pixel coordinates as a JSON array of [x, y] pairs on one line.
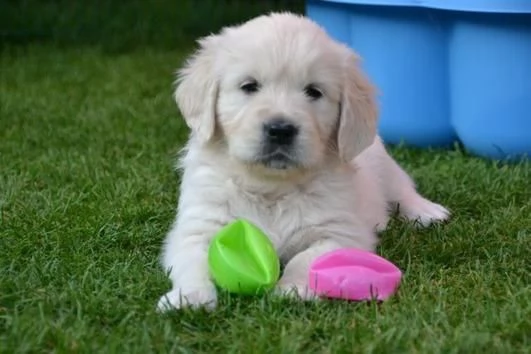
[[186, 258], [399, 188], [401, 192], [294, 281]]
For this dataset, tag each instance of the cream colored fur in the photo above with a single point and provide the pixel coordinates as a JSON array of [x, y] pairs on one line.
[[341, 185]]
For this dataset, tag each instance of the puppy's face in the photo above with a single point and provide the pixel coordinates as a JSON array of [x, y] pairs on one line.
[[279, 93], [279, 97]]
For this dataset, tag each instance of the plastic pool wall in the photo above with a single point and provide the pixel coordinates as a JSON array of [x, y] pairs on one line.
[[443, 75]]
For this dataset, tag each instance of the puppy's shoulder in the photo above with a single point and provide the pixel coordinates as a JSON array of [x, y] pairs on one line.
[[202, 172], [372, 159]]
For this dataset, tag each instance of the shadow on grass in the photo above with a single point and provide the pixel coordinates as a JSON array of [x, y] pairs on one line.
[[119, 26]]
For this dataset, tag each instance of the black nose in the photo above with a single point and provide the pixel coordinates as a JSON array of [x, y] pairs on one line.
[[280, 131]]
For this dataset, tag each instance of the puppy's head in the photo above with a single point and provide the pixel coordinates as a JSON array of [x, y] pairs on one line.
[[278, 93]]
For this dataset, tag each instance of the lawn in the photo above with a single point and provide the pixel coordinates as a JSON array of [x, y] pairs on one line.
[[88, 137]]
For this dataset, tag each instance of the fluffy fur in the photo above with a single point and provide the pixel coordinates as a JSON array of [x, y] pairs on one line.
[[333, 185]]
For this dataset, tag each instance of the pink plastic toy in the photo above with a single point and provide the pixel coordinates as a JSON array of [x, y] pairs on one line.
[[354, 274]]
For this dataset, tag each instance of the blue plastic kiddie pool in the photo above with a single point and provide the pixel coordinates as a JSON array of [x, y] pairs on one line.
[[446, 70]]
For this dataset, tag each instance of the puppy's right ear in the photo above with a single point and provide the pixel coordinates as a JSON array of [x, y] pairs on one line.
[[197, 90]]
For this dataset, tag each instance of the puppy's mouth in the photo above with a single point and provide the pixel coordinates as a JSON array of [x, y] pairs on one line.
[[279, 159]]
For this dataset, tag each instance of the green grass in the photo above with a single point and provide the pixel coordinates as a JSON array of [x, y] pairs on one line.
[[88, 139]]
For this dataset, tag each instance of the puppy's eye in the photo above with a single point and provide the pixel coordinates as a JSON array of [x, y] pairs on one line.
[[313, 92], [250, 87]]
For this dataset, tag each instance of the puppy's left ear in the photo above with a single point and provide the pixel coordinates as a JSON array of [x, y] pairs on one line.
[[197, 90], [358, 117]]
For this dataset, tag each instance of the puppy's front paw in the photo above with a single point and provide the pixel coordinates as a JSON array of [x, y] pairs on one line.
[[181, 297], [295, 291], [423, 211]]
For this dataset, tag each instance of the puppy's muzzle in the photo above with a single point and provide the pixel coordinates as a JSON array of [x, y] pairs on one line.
[[278, 150], [280, 132]]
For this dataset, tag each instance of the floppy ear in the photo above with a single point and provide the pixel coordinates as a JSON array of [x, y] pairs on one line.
[[358, 116], [197, 91]]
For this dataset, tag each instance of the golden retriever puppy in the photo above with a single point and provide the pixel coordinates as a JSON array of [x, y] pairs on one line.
[[283, 134]]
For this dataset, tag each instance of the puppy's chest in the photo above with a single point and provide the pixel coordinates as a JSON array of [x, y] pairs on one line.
[[278, 219], [284, 218]]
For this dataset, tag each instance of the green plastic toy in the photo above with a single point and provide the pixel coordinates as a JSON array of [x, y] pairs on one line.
[[242, 260]]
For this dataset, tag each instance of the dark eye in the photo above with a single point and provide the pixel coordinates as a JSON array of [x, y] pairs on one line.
[[250, 86], [313, 92]]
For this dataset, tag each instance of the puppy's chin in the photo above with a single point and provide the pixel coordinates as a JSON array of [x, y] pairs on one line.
[[273, 161]]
